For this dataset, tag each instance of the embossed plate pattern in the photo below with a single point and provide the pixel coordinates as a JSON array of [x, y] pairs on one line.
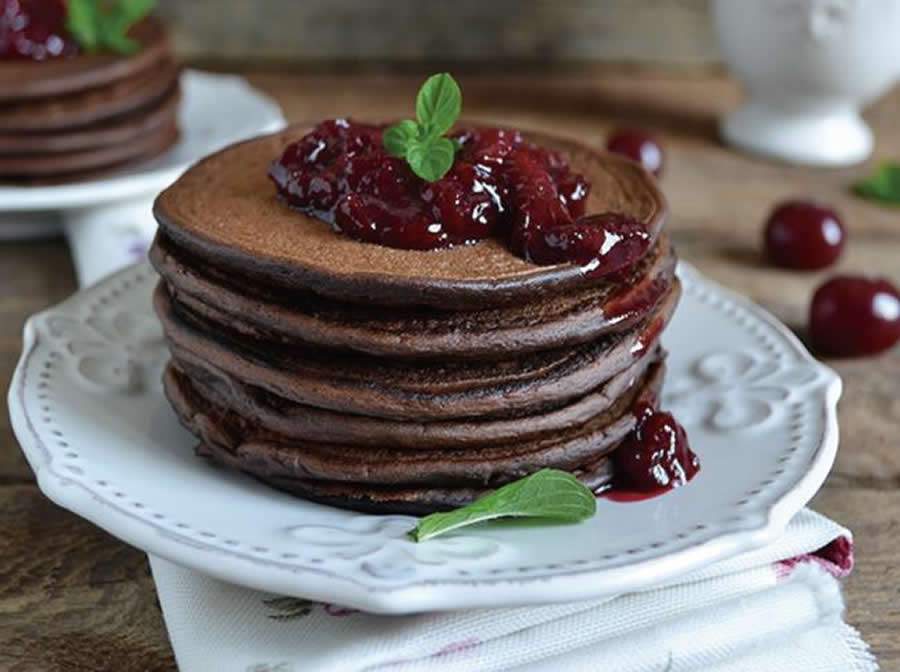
[[88, 408]]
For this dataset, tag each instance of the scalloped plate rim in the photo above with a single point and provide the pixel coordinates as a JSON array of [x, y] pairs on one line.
[[428, 595]]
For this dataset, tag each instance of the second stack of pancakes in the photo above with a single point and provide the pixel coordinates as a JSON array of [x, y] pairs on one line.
[[68, 118], [392, 380]]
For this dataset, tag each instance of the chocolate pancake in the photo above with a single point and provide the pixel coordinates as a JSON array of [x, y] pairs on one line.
[[125, 129], [547, 322], [69, 164], [392, 380], [26, 80], [428, 390], [410, 500], [223, 212], [289, 456], [267, 414], [91, 106], [464, 475]]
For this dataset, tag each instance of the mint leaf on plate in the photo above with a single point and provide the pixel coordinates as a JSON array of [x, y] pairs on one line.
[[549, 494], [883, 185]]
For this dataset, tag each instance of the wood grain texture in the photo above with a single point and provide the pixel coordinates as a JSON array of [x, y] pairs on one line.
[[33, 275], [72, 598], [464, 32]]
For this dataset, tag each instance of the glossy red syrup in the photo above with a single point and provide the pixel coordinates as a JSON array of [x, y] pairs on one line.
[[34, 30], [629, 302], [500, 185], [654, 459], [804, 236], [852, 316], [639, 146]]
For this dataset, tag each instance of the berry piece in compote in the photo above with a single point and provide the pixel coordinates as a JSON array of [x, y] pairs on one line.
[[638, 146], [656, 456], [851, 316], [35, 30], [803, 235], [535, 205], [601, 244]]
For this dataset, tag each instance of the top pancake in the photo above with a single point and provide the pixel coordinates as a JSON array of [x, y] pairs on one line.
[[23, 80], [225, 212]]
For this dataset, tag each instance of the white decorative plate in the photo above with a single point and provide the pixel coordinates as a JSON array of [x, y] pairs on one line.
[[215, 111], [87, 406]]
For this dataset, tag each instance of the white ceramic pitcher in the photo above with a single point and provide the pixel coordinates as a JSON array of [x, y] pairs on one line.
[[808, 67]]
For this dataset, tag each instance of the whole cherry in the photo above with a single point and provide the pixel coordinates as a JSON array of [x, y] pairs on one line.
[[803, 235], [853, 315], [637, 145]]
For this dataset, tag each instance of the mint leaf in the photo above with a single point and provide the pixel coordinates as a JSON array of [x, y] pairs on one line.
[[421, 142], [397, 138], [432, 158], [120, 44], [132, 11], [83, 23], [104, 24], [883, 185], [438, 104], [117, 22], [548, 494]]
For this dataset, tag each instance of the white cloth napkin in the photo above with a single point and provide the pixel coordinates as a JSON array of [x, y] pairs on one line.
[[106, 238], [777, 608]]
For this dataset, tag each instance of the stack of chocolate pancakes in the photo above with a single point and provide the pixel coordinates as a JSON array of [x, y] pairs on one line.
[[391, 380], [66, 118]]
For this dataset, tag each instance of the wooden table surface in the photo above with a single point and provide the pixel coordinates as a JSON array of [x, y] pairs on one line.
[[74, 598]]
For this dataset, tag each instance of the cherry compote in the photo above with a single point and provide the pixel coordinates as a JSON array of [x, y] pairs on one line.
[[500, 185], [656, 456], [34, 30], [639, 146], [804, 235], [851, 316]]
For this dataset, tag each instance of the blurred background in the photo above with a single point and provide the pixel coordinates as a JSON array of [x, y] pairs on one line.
[[80, 600], [469, 34]]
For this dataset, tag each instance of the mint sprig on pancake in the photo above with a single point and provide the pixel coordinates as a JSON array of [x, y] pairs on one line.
[[422, 142], [102, 25]]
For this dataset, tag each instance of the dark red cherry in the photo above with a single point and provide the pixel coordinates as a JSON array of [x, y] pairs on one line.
[[35, 30], [638, 146], [656, 455], [804, 235], [851, 316]]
